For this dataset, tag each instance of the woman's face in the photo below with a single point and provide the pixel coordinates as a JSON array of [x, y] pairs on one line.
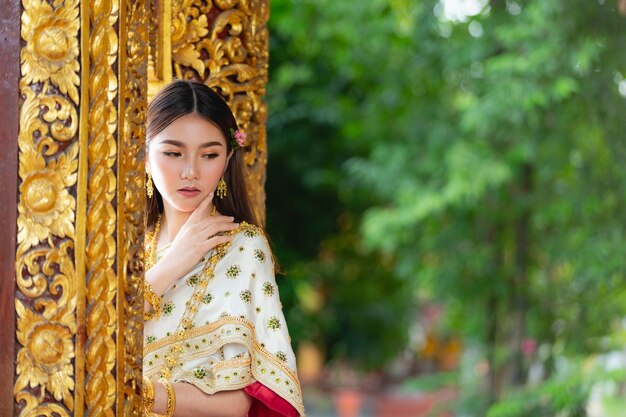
[[186, 160]]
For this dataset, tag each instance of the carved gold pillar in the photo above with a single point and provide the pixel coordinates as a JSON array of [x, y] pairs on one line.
[[223, 43], [83, 90]]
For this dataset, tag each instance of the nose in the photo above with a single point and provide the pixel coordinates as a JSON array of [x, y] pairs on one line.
[[189, 171]]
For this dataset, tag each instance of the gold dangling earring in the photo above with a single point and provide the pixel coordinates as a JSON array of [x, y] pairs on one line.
[[221, 188], [149, 187]]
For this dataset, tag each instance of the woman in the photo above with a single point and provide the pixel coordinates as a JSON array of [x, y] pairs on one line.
[[216, 342]]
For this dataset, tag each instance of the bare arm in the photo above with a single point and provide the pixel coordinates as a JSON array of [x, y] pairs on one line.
[[160, 277], [191, 402]]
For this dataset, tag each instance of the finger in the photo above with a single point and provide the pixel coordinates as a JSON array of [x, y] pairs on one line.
[[217, 240], [219, 231], [203, 207], [218, 227], [205, 223]]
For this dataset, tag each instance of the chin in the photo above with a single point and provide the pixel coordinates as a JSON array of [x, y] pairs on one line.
[[184, 206]]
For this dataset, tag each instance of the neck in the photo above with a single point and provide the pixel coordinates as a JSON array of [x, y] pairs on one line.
[[171, 223]]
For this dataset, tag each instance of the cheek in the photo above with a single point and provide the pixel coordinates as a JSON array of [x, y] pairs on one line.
[[162, 171], [212, 173], [214, 169]]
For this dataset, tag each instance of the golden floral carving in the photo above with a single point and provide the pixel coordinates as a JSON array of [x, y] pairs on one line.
[[45, 205], [186, 32], [224, 43], [48, 162], [46, 332], [50, 32], [45, 360], [32, 407]]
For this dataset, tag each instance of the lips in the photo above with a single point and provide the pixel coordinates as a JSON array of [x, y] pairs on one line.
[[188, 191]]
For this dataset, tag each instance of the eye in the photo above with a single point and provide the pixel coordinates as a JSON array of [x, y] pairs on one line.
[[172, 154], [210, 155]]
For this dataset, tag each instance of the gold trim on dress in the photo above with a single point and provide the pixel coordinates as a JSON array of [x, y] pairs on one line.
[[265, 366]]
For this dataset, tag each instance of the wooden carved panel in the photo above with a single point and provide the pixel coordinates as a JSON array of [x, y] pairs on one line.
[[78, 258], [131, 178], [47, 281], [82, 103]]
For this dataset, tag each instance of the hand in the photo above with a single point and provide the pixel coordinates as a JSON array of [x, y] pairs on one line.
[[200, 233]]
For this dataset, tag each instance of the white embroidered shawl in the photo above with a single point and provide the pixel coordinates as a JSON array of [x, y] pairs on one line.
[[239, 334]]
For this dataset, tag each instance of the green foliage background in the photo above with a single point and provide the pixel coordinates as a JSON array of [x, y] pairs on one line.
[[479, 164]]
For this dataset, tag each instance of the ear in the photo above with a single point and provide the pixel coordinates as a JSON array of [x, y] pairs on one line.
[[147, 163]]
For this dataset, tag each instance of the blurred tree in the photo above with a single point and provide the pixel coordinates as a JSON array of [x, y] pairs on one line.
[[483, 155], [510, 198], [336, 287]]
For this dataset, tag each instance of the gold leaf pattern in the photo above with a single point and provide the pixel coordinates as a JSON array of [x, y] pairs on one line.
[[48, 162], [133, 83], [52, 185], [51, 36], [101, 318], [45, 203], [48, 349]]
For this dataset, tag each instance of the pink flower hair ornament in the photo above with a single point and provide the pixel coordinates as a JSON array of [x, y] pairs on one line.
[[237, 139]]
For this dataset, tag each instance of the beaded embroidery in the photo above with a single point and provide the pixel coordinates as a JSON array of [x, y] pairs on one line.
[[268, 289], [259, 255], [198, 296], [273, 323], [246, 296], [233, 271]]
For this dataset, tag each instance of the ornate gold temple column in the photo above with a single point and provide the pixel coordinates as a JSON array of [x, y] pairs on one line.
[[83, 88], [78, 301]]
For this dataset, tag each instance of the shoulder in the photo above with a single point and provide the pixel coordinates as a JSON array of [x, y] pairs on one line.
[[249, 250], [252, 237], [249, 231]]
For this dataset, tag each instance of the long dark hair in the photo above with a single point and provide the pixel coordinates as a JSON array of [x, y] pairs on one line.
[[179, 99]]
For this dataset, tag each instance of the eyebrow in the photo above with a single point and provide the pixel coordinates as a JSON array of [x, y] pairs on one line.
[[182, 145]]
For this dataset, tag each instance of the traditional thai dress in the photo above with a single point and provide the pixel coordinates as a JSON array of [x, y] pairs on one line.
[[221, 327]]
